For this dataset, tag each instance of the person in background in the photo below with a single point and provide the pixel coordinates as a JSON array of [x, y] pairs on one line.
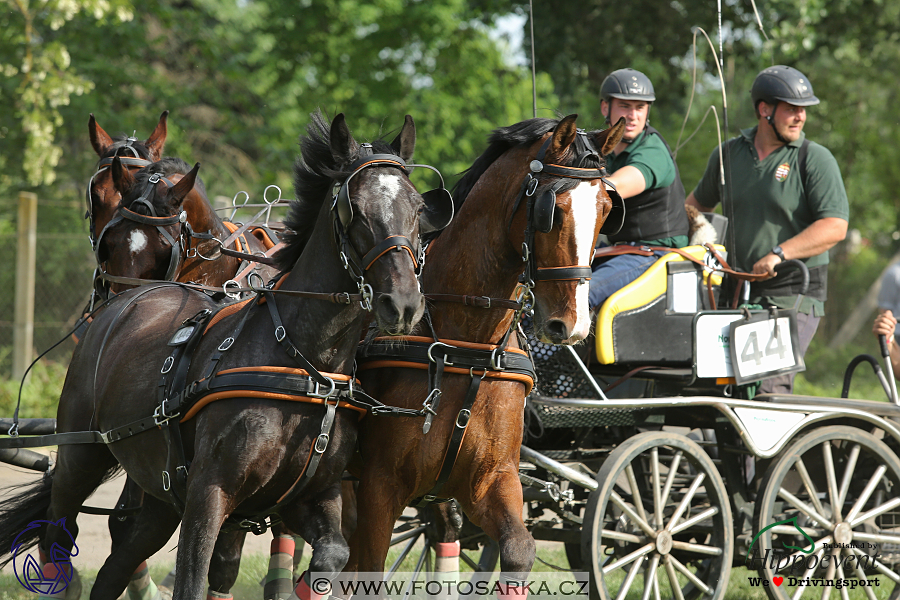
[[645, 175], [788, 201], [888, 306]]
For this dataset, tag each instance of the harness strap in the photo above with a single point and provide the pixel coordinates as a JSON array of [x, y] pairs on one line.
[[577, 273], [282, 338], [648, 251], [476, 301], [392, 242]]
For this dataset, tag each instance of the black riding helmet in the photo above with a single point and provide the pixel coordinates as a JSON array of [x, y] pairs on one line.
[[781, 84], [627, 84]]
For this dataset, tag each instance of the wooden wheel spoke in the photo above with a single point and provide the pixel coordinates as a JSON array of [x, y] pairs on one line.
[[697, 548], [845, 595], [643, 550], [695, 485], [472, 564], [709, 512], [670, 479], [406, 550], [657, 500], [635, 493], [848, 473], [805, 508], [790, 530], [831, 478], [876, 538], [650, 577], [623, 506], [417, 570], [673, 579], [618, 535], [860, 574], [808, 573], [629, 579], [881, 568], [809, 485], [691, 577], [875, 512], [866, 493]]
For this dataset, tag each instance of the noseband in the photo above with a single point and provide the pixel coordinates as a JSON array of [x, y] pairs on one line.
[[540, 210]]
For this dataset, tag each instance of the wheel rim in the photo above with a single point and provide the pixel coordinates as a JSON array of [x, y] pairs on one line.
[[659, 525], [838, 485]]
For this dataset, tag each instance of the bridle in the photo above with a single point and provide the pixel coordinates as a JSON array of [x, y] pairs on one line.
[[438, 200], [541, 208]]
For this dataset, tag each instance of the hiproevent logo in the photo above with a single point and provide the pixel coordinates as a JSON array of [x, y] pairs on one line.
[[28, 569]]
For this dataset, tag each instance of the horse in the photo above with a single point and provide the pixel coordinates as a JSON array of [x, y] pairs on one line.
[[525, 198], [156, 240], [250, 453], [102, 197]]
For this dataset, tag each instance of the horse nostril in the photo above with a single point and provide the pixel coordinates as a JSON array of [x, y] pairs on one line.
[[556, 330]]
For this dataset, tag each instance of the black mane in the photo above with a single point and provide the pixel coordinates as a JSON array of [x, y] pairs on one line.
[[315, 173], [166, 167], [505, 138]]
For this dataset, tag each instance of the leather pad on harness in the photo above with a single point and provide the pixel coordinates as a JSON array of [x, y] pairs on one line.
[[616, 217]]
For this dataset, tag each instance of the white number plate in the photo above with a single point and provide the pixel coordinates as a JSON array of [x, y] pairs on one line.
[[763, 347]]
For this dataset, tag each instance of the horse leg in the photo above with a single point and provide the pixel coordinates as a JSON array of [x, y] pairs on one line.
[[141, 585], [318, 520], [500, 515], [127, 565], [204, 514], [380, 504], [446, 551], [225, 564], [285, 552]]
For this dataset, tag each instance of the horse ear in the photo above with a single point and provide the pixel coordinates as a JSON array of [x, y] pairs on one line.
[[608, 139], [122, 178], [563, 136], [405, 142], [180, 190], [343, 146], [157, 140], [100, 140]]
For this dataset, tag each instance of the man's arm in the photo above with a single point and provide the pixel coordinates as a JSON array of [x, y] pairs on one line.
[[884, 325], [691, 200], [629, 181], [819, 237]]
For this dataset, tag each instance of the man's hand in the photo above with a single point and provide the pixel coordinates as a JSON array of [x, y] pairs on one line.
[[884, 325], [766, 265]]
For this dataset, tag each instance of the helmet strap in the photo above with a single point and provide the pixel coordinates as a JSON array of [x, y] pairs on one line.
[[771, 122]]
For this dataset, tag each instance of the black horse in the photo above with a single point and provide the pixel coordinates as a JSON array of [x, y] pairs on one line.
[[245, 452]]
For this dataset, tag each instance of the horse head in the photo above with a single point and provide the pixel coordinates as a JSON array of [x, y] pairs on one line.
[[144, 239], [568, 204], [102, 197]]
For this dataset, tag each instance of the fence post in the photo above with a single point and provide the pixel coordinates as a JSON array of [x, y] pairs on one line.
[[23, 330]]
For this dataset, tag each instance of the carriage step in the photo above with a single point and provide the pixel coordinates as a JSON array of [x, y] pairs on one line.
[[27, 459], [29, 426]]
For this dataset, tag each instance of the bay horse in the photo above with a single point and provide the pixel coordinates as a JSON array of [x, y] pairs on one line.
[[246, 453], [102, 197], [503, 202]]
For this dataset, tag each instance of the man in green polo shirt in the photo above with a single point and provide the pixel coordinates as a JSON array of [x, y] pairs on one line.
[[788, 200], [646, 177]]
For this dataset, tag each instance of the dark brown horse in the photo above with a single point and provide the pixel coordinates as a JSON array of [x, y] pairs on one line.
[[147, 239], [244, 452], [480, 255], [102, 197]]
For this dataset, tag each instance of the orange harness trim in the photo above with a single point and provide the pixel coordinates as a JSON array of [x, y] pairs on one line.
[[391, 249], [260, 234], [232, 228], [200, 404], [399, 339]]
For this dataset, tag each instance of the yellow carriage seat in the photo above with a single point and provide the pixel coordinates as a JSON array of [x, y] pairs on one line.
[[649, 321]]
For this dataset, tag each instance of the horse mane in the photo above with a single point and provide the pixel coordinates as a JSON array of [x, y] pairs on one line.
[[503, 139], [315, 173], [166, 166]]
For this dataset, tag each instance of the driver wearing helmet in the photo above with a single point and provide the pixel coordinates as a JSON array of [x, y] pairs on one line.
[[788, 201], [645, 175]]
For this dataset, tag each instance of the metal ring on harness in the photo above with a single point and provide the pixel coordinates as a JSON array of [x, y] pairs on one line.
[[317, 394], [323, 440], [462, 419], [234, 295], [496, 356], [167, 364], [432, 358], [280, 333], [226, 344], [262, 281]]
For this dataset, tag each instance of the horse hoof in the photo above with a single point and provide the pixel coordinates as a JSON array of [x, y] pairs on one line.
[[164, 592]]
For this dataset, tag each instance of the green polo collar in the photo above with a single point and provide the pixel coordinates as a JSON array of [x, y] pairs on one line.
[[750, 136]]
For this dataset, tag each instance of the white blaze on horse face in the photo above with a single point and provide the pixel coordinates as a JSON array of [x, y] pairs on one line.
[[137, 241], [388, 186], [584, 211]]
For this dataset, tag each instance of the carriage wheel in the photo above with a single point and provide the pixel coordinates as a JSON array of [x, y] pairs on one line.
[[660, 522], [830, 467], [478, 552]]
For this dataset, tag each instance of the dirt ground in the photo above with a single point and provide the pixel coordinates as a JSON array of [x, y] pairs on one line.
[[93, 537]]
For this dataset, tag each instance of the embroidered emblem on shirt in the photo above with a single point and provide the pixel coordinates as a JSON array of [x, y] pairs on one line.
[[782, 171]]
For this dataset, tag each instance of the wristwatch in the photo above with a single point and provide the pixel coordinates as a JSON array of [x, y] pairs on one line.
[[777, 251]]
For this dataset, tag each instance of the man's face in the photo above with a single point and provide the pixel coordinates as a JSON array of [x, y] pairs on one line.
[[634, 111], [788, 119]]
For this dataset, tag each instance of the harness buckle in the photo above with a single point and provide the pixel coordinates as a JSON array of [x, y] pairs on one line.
[[226, 344], [160, 415], [488, 300], [317, 394], [430, 399], [432, 358], [462, 419], [497, 355], [321, 443], [166, 481], [344, 298], [167, 365], [154, 178], [526, 253], [280, 334]]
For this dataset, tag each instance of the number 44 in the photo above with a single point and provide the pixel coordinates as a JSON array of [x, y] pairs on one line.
[[751, 350]]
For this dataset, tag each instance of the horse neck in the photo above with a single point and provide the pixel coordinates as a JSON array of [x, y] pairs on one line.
[[475, 257], [327, 334]]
